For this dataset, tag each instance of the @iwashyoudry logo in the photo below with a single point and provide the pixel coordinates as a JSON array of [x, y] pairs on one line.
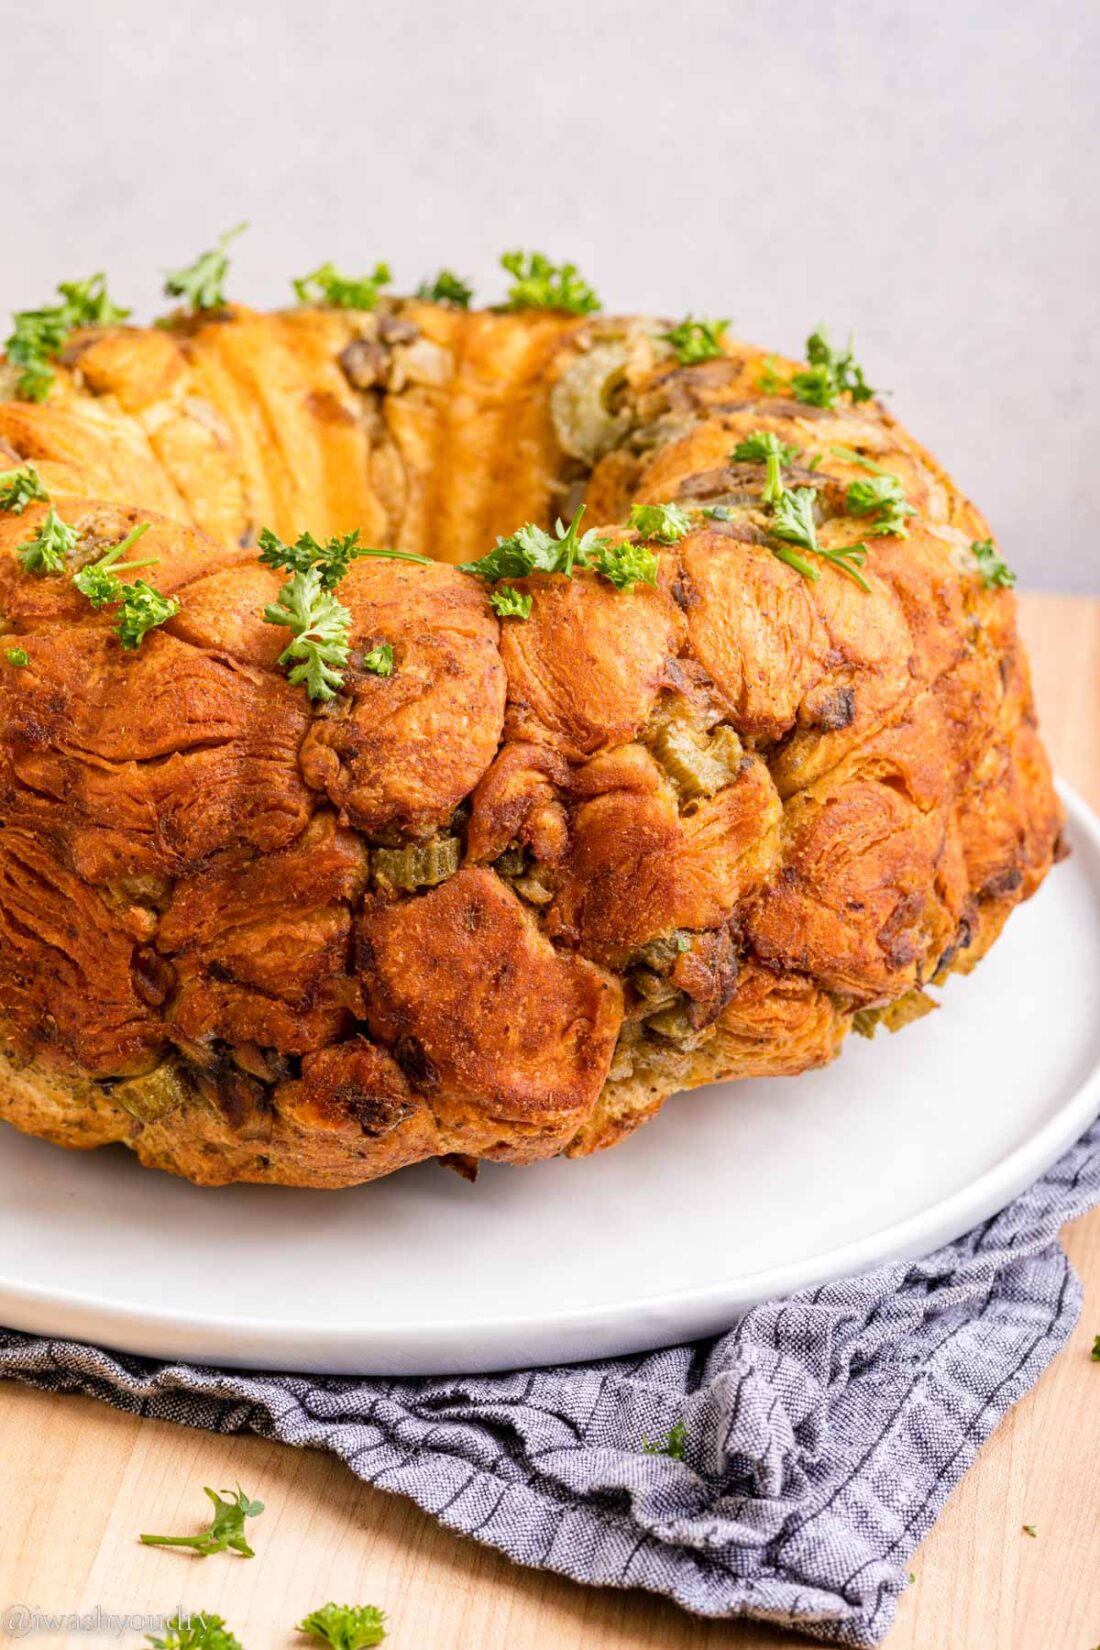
[[23, 1621]]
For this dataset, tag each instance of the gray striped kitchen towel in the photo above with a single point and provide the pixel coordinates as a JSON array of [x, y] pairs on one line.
[[821, 1436]]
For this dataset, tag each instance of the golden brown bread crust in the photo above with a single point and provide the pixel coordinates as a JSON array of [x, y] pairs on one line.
[[680, 833]]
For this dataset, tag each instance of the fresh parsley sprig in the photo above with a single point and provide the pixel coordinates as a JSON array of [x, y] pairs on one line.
[[509, 603], [539, 284], [39, 335], [52, 544], [202, 284], [141, 608], [322, 625], [830, 374], [379, 661], [1095, 1353], [332, 558], [883, 498], [346, 1626], [667, 523], [447, 288], [847, 559], [792, 511], [672, 1444], [17, 657], [696, 340], [326, 285], [793, 523], [18, 488], [765, 447], [99, 581], [226, 1532], [993, 572], [624, 564], [531, 549], [196, 1631], [318, 650]]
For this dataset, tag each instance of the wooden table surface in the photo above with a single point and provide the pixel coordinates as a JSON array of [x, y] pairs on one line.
[[80, 1480]]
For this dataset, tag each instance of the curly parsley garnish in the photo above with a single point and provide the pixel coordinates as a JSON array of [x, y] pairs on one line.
[[17, 657], [142, 610], [196, 1632], [346, 1626], [141, 607], [539, 284], [48, 550], [765, 447], [792, 511], [831, 374], [18, 488], [39, 335], [306, 605], [226, 1532], [379, 661], [696, 340], [532, 550], [793, 522], [447, 288], [623, 564], [325, 285], [883, 497], [993, 572], [99, 581], [667, 523], [321, 626], [510, 603], [202, 284], [672, 1444], [1095, 1353], [331, 558]]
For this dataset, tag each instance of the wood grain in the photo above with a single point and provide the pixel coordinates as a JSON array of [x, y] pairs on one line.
[[80, 1480]]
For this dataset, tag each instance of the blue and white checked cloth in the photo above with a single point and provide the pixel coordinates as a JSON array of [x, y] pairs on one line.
[[822, 1435]]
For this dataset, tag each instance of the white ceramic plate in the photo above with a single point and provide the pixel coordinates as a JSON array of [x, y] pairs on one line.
[[733, 1194]]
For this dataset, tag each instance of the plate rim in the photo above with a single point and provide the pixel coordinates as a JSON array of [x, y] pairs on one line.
[[679, 1314]]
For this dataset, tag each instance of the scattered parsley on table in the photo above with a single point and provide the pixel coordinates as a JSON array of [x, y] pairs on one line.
[[226, 1531], [196, 1631], [346, 1626]]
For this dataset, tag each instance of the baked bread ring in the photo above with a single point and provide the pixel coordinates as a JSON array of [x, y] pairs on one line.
[[581, 846]]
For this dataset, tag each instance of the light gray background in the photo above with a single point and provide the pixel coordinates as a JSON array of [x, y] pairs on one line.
[[922, 171]]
